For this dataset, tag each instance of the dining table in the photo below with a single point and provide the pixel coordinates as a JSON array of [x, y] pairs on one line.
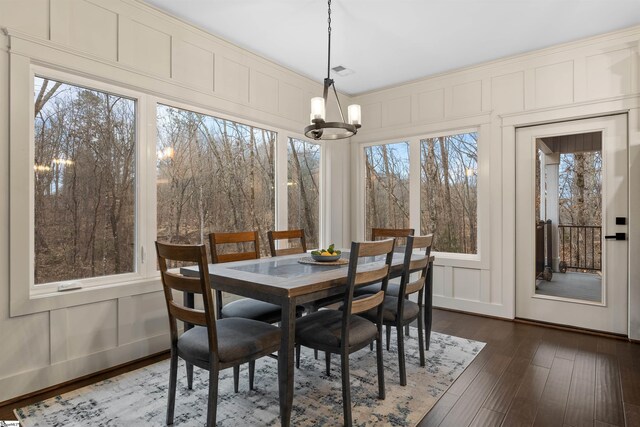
[[285, 281]]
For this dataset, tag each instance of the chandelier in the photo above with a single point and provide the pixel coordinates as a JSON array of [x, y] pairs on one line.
[[321, 129]]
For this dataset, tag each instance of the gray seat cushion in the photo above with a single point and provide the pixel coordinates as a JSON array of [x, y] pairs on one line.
[[393, 289], [324, 328], [390, 310], [238, 338], [248, 308]]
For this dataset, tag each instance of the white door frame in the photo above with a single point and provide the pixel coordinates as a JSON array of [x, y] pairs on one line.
[[607, 315], [510, 122]]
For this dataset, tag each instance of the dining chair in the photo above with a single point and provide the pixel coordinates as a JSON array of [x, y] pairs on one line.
[[343, 331], [287, 235], [206, 342], [400, 311], [400, 234], [246, 308]]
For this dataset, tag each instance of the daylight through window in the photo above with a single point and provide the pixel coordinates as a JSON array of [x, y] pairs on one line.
[[303, 188], [387, 186], [449, 192], [85, 182], [213, 175]]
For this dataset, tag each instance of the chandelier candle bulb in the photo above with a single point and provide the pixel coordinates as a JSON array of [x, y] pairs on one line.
[[317, 108], [354, 114]]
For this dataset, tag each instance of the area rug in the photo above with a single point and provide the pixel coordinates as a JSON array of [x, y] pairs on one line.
[[139, 398]]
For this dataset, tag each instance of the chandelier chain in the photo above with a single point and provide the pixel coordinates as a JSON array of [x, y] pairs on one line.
[[329, 43]]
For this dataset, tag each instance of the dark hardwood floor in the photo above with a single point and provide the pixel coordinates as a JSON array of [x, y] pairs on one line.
[[529, 375], [526, 375]]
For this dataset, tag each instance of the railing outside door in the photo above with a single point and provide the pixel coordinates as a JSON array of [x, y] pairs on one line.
[[580, 247]]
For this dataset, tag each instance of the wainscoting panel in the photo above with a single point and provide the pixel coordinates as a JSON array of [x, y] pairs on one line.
[[430, 106], [92, 328], [145, 48], [85, 26], [32, 20], [507, 92], [263, 91], [609, 74], [396, 111], [466, 284], [554, 84], [232, 80], [466, 99], [192, 64]]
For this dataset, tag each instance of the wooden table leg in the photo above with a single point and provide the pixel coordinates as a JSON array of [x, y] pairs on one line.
[[286, 361]]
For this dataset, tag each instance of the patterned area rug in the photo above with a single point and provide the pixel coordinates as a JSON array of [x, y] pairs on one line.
[[139, 398]]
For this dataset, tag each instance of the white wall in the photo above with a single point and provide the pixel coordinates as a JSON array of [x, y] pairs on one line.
[[596, 76], [128, 44]]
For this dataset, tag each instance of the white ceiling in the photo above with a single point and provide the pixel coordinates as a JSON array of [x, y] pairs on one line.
[[395, 41]]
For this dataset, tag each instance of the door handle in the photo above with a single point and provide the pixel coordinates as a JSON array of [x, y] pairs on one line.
[[617, 236]]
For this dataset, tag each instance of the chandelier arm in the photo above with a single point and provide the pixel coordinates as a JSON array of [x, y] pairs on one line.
[[325, 91], [335, 92]]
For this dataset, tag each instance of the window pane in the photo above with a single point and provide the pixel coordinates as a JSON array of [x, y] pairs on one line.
[[387, 186], [303, 188], [85, 159], [449, 193], [214, 175]]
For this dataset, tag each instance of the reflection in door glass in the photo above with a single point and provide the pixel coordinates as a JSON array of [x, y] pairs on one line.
[[569, 217]]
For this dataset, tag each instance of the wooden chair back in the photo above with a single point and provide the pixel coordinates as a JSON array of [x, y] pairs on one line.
[[287, 235], [171, 280], [415, 264], [400, 234], [363, 275], [240, 239]]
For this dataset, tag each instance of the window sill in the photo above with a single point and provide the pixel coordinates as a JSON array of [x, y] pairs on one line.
[[24, 302], [448, 259]]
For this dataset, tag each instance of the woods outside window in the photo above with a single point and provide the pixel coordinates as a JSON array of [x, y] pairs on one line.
[[449, 192], [303, 188], [108, 170], [387, 186], [85, 182], [439, 196], [213, 175]]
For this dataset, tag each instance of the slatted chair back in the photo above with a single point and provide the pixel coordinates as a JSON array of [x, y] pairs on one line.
[[415, 264], [241, 239], [192, 254], [363, 275], [400, 234], [287, 235]]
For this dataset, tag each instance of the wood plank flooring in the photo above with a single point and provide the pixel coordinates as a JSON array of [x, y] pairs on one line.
[[526, 375], [531, 375]]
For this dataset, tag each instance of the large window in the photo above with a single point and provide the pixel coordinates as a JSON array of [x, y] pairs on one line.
[[449, 192], [85, 182], [212, 175], [387, 186], [303, 186]]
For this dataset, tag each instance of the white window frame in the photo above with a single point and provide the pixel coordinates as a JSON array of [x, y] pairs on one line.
[[479, 260], [418, 140], [26, 297]]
